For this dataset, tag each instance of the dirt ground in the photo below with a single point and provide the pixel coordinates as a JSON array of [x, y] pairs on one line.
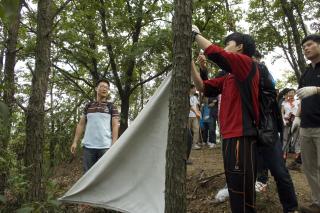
[[209, 163], [204, 179]]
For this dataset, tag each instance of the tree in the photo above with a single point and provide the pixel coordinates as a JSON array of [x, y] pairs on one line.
[[280, 24], [125, 45], [9, 81], [175, 192], [288, 11], [35, 114]]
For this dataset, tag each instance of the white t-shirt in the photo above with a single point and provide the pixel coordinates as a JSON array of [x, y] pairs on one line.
[[288, 108], [193, 103]]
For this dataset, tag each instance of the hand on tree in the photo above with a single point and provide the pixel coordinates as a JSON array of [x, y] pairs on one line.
[[195, 32], [306, 92]]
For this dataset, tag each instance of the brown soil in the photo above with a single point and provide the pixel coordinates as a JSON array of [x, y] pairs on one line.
[[204, 179], [208, 163]]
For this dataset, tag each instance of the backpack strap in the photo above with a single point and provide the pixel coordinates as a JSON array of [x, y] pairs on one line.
[[245, 89]]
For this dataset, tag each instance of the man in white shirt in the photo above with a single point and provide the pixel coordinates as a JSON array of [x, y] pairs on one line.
[[100, 122], [194, 116]]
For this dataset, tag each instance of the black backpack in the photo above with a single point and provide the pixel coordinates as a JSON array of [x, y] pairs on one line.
[[270, 122]]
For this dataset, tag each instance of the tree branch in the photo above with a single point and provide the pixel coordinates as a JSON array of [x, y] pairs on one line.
[[31, 69], [20, 105], [109, 47], [74, 56], [70, 78], [60, 8], [166, 69]]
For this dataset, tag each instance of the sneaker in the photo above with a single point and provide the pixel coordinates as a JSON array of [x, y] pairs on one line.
[[196, 147], [294, 166], [211, 145], [221, 196], [313, 208], [260, 187]]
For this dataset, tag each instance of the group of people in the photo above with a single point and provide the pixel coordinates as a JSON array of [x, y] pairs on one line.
[[202, 120], [242, 91]]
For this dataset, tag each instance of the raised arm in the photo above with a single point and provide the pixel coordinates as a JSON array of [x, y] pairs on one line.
[[196, 77]]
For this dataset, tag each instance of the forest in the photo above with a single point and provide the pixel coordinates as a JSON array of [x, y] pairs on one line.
[[53, 52]]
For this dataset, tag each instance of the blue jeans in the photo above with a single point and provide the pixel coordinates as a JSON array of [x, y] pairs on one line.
[[209, 131], [91, 156], [272, 158]]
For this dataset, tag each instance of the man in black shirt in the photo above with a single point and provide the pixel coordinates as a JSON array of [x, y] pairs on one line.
[[309, 93]]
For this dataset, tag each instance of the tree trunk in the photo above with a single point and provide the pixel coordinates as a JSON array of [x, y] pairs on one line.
[[35, 111], [1, 62], [175, 187], [9, 88], [230, 20], [125, 101], [288, 11], [141, 92], [3, 48], [53, 138]]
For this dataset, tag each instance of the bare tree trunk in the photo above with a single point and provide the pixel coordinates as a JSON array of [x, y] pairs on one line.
[[302, 25], [230, 20], [288, 11], [2, 51], [9, 88], [125, 104], [53, 138], [35, 114], [141, 92], [1, 62], [175, 189]]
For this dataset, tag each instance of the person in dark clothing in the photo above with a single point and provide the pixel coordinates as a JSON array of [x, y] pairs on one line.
[[270, 157], [309, 115], [237, 127]]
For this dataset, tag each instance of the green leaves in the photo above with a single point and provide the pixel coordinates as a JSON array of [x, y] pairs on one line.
[[8, 8], [25, 210], [3, 199], [4, 112]]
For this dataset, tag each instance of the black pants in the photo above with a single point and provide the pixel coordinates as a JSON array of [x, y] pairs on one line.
[[272, 159], [91, 156], [239, 156]]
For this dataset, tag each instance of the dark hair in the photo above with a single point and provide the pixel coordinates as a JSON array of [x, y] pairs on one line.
[[192, 86], [257, 54], [249, 46], [312, 37], [291, 89], [102, 80]]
